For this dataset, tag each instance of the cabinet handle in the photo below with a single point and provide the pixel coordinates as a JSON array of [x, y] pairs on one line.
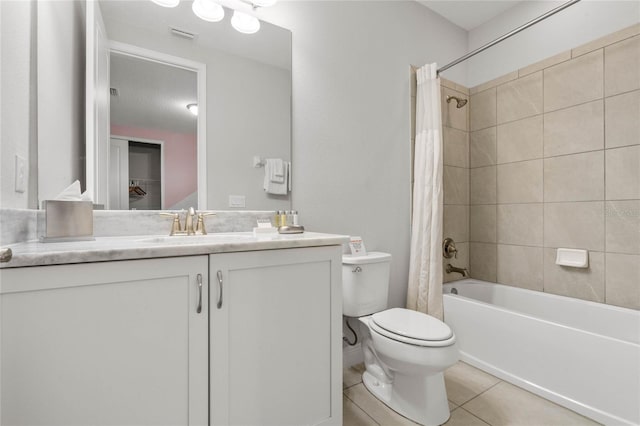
[[199, 308], [219, 289]]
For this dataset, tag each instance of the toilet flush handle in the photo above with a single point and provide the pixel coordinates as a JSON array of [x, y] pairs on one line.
[[357, 269]]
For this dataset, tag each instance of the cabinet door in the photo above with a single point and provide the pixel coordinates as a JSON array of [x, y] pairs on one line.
[[275, 343], [114, 343]]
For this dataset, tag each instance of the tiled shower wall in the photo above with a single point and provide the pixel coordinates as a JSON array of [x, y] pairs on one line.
[[455, 138], [554, 161]]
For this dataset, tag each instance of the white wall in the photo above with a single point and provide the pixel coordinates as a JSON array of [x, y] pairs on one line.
[[351, 115], [578, 24], [16, 21], [239, 125]]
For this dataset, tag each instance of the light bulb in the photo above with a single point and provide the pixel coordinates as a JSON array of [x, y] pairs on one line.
[[208, 10], [244, 23], [166, 3], [193, 108], [264, 3]]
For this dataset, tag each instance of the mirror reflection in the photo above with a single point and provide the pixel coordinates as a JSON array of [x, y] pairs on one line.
[[248, 108], [152, 147]]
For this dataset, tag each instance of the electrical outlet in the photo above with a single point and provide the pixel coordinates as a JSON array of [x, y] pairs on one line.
[[237, 201], [21, 174]]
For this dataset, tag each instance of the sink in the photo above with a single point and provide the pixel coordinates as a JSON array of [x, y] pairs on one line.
[[220, 237]]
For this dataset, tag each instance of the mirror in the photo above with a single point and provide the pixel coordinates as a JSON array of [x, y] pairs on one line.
[[247, 97]]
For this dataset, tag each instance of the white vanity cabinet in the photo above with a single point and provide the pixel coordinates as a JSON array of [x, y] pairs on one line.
[[275, 344], [108, 343]]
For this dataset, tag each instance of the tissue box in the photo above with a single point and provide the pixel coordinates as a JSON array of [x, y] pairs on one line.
[[67, 221]]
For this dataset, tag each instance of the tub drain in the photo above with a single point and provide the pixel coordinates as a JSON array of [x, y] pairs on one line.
[[454, 291]]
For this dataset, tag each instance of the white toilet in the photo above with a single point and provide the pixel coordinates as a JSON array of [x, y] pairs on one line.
[[405, 352]]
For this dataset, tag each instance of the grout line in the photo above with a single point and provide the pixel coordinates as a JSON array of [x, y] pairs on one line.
[[481, 393], [361, 409], [479, 418]]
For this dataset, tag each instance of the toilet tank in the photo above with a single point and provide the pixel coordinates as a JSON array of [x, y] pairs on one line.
[[365, 283]]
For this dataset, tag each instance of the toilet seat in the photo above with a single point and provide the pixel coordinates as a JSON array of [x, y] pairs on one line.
[[414, 328]]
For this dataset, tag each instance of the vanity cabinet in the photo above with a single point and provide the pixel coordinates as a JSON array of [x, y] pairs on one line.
[[120, 342], [275, 345]]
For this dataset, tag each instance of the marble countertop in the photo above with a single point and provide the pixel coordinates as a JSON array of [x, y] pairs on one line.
[[35, 253]]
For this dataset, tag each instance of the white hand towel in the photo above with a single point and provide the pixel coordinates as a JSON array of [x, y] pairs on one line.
[[274, 168], [276, 188]]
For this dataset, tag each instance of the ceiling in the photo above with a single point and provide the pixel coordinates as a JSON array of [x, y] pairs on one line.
[[469, 14]]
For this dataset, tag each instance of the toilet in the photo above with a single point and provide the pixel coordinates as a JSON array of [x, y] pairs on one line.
[[405, 352]]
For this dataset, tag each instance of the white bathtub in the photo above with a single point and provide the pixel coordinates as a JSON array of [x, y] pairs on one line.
[[579, 354]]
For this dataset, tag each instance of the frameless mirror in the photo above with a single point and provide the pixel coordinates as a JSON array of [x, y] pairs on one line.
[[145, 148]]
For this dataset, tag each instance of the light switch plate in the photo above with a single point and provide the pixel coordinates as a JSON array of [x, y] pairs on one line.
[[237, 201], [21, 174]]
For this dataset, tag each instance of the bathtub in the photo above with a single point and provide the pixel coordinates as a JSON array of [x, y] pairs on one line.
[[582, 355]]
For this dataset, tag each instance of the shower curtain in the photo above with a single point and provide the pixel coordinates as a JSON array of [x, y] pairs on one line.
[[424, 292]]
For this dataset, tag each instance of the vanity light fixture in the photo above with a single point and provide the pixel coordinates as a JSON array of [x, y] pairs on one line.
[[243, 19], [166, 3], [244, 23], [208, 10], [193, 109]]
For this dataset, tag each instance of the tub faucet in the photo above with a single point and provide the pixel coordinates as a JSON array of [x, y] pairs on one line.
[[450, 268]]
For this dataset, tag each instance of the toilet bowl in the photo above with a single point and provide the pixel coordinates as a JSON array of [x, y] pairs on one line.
[[405, 352]]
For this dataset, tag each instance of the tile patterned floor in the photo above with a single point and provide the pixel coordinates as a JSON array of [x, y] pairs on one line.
[[475, 399]]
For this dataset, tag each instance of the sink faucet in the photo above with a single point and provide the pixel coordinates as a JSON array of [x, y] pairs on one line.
[[450, 268], [188, 221]]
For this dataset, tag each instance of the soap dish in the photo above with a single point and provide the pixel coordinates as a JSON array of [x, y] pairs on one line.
[[572, 257], [291, 229]]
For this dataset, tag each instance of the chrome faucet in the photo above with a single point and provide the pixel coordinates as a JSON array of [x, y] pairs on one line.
[[450, 268]]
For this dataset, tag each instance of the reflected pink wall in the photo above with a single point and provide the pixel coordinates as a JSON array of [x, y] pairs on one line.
[[180, 160]]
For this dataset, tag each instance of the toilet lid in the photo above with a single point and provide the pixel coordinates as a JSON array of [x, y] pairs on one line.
[[412, 324]]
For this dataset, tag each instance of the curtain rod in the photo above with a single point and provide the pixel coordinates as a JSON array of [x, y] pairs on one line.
[[509, 34]]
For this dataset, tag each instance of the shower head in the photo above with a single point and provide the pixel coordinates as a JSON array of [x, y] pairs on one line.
[[459, 102]]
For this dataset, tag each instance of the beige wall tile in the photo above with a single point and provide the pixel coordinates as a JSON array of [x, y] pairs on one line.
[[495, 82], [623, 278], [578, 177], [607, 40], [520, 98], [456, 222], [520, 140], [622, 66], [520, 266], [452, 116], [576, 129], [456, 147], [574, 82], [482, 185], [520, 182], [482, 147], [623, 226], [574, 225], [520, 224], [456, 185], [482, 223], [622, 115], [483, 262], [545, 63], [581, 283], [454, 86], [482, 110], [461, 261], [623, 173]]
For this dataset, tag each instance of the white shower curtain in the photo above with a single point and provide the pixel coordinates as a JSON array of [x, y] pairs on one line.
[[425, 264]]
